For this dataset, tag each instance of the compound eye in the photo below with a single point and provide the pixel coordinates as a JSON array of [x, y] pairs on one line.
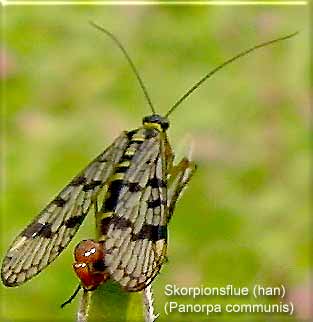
[[89, 251]]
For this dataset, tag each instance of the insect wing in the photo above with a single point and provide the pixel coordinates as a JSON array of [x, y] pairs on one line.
[[136, 233], [51, 231]]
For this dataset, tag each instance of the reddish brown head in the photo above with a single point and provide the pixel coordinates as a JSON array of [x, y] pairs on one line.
[[89, 264]]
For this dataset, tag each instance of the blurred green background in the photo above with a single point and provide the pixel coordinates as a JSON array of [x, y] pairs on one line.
[[68, 92]]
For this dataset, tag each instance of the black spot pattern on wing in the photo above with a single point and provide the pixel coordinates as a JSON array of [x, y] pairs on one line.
[[38, 229], [134, 226], [114, 191], [51, 231], [74, 221], [151, 232]]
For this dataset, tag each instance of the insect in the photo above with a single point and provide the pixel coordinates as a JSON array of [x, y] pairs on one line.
[[133, 187]]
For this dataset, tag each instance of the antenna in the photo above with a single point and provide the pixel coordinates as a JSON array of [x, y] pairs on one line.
[[212, 72], [119, 44]]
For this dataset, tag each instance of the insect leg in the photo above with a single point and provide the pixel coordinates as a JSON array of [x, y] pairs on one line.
[[71, 298], [179, 177]]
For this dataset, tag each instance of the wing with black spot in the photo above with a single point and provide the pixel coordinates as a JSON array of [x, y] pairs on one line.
[[135, 229], [51, 231]]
